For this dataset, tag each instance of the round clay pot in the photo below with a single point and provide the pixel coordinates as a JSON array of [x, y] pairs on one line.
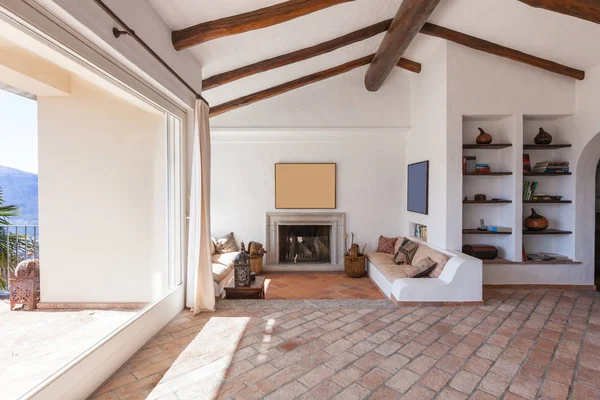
[[542, 137], [536, 222], [484, 137]]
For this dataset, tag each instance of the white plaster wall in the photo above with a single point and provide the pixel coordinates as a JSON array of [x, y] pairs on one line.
[[482, 84], [586, 148], [370, 181], [102, 198], [427, 141]]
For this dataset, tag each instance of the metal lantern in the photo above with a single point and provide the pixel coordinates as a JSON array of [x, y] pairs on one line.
[[241, 267]]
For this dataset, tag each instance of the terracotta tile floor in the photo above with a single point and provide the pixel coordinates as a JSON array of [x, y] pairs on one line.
[[320, 286], [523, 344], [34, 345]]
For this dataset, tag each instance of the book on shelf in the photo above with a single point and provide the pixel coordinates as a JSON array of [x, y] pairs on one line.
[[551, 166], [469, 164], [526, 163], [541, 256], [529, 189], [482, 168], [499, 229]]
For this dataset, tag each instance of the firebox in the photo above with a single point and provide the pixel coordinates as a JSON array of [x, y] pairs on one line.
[[304, 244]]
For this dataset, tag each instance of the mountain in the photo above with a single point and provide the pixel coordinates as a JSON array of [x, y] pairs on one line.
[[20, 188]]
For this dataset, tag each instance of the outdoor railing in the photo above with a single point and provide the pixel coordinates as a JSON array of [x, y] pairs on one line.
[[17, 243]]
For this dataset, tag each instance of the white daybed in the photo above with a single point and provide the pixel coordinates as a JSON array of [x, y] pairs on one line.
[[460, 280]]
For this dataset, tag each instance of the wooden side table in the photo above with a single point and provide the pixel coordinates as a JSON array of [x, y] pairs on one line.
[[256, 290]]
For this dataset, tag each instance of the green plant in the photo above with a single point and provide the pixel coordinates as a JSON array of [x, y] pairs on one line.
[[9, 244]]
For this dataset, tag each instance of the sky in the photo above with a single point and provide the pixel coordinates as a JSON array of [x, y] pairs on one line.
[[18, 132]]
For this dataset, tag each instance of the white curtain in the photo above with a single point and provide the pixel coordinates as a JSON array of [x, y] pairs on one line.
[[200, 280]]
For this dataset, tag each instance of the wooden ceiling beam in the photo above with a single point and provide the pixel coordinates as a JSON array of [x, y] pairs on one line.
[[258, 19], [409, 19], [584, 9], [288, 86], [296, 56], [499, 50]]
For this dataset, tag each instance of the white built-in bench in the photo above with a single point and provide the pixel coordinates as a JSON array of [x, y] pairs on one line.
[[459, 283]]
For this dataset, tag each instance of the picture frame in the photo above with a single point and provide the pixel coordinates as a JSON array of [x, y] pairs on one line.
[[418, 188], [305, 186]]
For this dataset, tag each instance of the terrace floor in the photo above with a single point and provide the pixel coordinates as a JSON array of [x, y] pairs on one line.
[[523, 344], [34, 345], [324, 286]]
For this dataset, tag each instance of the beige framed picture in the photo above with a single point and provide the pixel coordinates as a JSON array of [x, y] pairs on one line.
[[305, 185]]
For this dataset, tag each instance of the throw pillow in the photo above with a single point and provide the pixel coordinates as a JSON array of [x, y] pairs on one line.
[[406, 252], [213, 247], [422, 268], [386, 245], [226, 244]]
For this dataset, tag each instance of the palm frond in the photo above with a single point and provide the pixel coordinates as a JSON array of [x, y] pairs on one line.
[[7, 211]]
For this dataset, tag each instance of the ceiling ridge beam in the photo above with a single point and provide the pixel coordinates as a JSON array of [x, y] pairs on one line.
[[584, 9], [249, 21], [296, 56], [288, 86], [501, 51], [409, 19]]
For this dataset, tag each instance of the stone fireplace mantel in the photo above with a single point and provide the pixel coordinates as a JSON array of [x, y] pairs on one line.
[[337, 221]]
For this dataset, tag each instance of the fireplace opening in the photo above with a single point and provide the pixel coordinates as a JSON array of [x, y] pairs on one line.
[[304, 244]]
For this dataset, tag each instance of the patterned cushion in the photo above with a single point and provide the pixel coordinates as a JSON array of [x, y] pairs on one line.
[[440, 258], [399, 241], [421, 268], [226, 244], [213, 247], [406, 252], [386, 245]]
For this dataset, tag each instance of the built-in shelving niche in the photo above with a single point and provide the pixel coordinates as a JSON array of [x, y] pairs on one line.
[[513, 136], [561, 214], [499, 184]]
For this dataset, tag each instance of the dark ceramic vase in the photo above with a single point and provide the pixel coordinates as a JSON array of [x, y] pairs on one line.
[[536, 222], [543, 137], [484, 137]]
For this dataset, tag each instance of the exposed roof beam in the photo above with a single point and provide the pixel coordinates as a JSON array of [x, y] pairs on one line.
[[584, 9], [296, 56], [288, 86], [498, 50], [249, 21], [409, 19]]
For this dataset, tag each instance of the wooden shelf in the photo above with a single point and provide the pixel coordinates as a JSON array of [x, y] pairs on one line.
[[486, 201], [547, 232], [486, 173], [492, 146], [546, 173], [547, 201], [545, 146], [500, 260], [478, 232]]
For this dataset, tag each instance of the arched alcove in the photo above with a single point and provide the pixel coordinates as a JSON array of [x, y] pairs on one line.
[[585, 206]]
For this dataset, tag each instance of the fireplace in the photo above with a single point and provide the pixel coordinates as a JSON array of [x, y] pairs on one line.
[[305, 240], [304, 244]]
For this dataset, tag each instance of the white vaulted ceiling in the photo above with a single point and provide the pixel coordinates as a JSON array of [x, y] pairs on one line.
[[557, 37]]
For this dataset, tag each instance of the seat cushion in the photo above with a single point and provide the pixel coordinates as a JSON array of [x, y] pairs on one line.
[[440, 259], [225, 259], [220, 271], [385, 264]]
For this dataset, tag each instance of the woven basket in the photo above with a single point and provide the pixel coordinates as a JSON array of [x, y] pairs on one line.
[[256, 263], [355, 266]]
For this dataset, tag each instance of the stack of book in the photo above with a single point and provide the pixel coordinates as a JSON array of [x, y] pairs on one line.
[[552, 167], [469, 163], [529, 189], [482, 168], [547, 257]]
